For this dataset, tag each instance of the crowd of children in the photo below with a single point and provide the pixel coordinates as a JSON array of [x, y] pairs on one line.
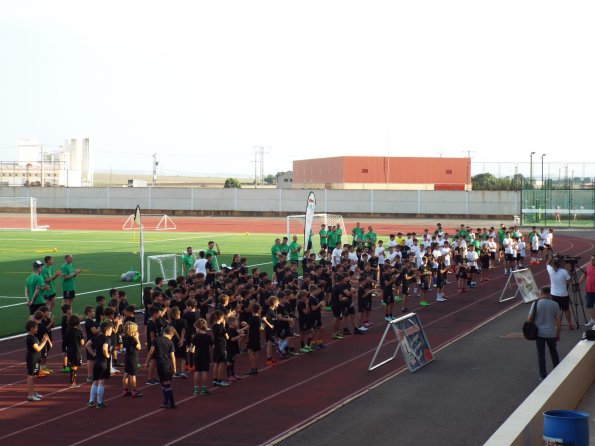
[[200, 322]]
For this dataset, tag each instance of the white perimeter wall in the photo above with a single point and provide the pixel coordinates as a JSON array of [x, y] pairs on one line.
[[273, 200]]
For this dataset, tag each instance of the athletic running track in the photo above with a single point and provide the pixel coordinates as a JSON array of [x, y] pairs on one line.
[[253, 411]]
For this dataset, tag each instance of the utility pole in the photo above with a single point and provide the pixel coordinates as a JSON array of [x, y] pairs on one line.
[[262, 166], [41, 154], [259, 165], [255, 161], [155, 164]]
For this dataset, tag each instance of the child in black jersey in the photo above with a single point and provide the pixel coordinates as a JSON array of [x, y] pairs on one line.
[[131, 343], [253, 344], [100, 348], [219, 348], [201, 343], [234, 334], [73, 341], [66, 313], [33, 357]]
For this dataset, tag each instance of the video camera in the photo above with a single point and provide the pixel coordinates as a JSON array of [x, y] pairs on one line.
[[569, 260]]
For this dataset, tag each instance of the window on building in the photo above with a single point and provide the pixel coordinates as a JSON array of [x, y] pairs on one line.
[[364, 170], [449, 172]]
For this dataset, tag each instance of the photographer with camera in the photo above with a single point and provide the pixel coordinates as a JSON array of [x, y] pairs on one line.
[[559, 280], [589, 276], [546, 316]]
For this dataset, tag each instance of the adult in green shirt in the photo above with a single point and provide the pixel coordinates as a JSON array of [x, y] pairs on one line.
[[68, 274], [48, 275], [285, 246], [358, 235], [294, 250], [462, 232], [339, 233], [188, 260], [34, 287], [213, 249], [323, 236], [332, 237], [275, 251], [370, 237]]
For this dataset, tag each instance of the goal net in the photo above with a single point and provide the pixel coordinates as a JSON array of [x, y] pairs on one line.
[[19, 213], [295, 223], [166, 266], [151, 222]]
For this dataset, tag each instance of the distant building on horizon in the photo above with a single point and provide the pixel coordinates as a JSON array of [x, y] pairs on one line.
[[71, 165], [381, 172]]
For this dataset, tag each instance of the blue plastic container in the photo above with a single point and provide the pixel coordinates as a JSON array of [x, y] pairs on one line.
[[565, 427]]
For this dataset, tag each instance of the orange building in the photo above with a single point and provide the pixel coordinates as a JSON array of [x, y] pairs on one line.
[[381, 172]]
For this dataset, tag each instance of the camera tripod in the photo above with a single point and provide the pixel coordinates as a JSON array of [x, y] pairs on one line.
[[576, 297]]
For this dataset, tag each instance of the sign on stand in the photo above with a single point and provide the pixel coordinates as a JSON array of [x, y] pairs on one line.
[[410, 339], [525, 284]]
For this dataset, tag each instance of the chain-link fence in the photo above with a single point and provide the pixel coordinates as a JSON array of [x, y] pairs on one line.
[[558, 207]]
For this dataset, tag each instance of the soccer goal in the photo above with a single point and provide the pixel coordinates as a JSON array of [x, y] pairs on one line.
[[151, 222], [166, 266], [25, 214], [295, 223]]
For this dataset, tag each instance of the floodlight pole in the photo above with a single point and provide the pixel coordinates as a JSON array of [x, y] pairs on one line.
[[531, 170], [542, 156]]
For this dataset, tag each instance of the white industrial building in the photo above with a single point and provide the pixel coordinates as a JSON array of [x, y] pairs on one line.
[[69, 165]]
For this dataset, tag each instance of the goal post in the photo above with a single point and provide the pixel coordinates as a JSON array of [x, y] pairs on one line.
[[166, 266], [295, 223], [25, 210], [151, 222]]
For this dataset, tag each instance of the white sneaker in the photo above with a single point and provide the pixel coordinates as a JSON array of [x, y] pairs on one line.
[[113, 371], [38, 395], [362, 328], [33, 398], [590, 324]]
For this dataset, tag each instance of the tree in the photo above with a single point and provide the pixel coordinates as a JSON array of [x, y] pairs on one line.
[[484, 181], [232, 183], [270, 179]]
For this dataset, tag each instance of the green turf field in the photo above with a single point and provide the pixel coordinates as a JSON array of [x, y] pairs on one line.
[[102, 257]]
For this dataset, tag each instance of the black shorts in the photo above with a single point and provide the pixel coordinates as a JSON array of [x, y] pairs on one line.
[[201, 364], [304, 323], [32, 367], [337, 310], [63, 346], [323, 246], [34, 307], [180, 352], [89, 356], [493, 255], [268, 336], [547, 246], [49, 297], [219, 356], [440, 283], [348, 308], [534, 251], [424, 285], [541, 248], [315, 321], [364, 304], [129, 367], [562, 301], [101, 370], [509, 257], [253, 344], [68, 294], [164, 373], [75, 360]]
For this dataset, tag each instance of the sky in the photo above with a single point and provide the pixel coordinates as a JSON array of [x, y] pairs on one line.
[[202, 83]]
